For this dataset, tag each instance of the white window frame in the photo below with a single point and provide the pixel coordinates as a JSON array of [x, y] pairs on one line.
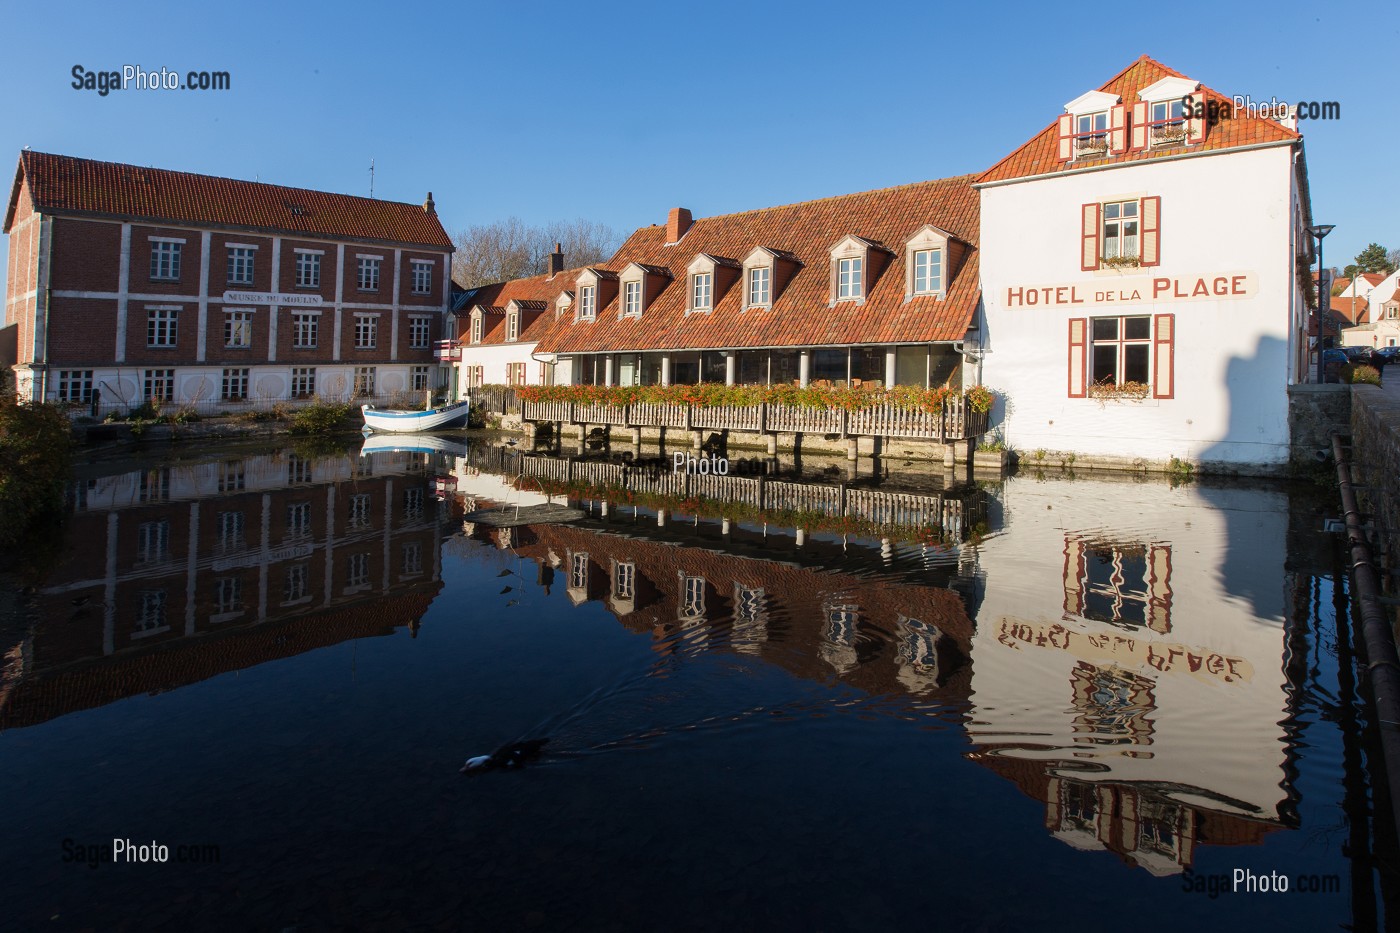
[[928, 282], [1121, 344], [299, 520], [165, 259], [158, 384], [228, 595], [632, 298], [240, 265], [1162, 125], [238, 328], [412, 559], [366, 378], [625, 580], [151, 618], [305, 331], [1088, 134], [308, 269], [759, 283], [233, 476], [588, 303], [420, 330], [153, 541], [359, 514], [162, 327], [422, 275], [366, 332], [692, 605], [420, 378], [702, 291], [295, 578], [850, 278], [1120, 239], [512, 326], [234, 387], [75, 385], [303, 381], [367, 274], [230, 531], [478, 326], [357, 570]]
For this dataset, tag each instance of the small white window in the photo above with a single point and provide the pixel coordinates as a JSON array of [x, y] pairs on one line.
[[701, 291], [412, 558], [418, 330], [308, 270], [294, 583], [165, 260], [154, 541], [230, 530], [162, 327], [1168, 125], [75, 385], [152, 617], [1091, 134], [364, 382], [240, 265], [478, 327], [368, 279], [299, 520], [513, 326], [760, 285], [419, 374], [238, 330], [304, 327], [692, 606], [158, 384], [1120, 229], [422, 276], [928, 271], [366, 332], [303, 381], [632, 298], [228, 595], [587, 303], [235, 385], [849, 278], [359, 510], [625, 580], [357, 570]]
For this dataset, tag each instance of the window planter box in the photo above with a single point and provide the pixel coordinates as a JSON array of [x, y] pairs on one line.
[[1119, 392], [1165, 135], [1091, 147], [1122, 262]]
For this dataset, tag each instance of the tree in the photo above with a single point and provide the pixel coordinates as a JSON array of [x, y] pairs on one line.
[[511, 249], [1392, 259], [1374, 259]]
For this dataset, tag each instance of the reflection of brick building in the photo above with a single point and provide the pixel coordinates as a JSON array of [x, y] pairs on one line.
[[176, 573]]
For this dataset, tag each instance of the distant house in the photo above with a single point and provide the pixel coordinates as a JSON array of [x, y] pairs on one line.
[[1381, 329]]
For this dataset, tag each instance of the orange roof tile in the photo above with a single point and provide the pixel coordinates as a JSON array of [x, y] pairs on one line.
[[1040, 156], [801, 314], [67, 185], [535, 295], [1352, 310]]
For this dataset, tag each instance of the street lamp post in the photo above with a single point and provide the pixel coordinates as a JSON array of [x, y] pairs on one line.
[[1323, 284]]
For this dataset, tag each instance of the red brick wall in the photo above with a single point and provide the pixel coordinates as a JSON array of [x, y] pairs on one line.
[[218, 264], [83, 332], [86, 255], [287, 279], [141, 281], [24, 240]]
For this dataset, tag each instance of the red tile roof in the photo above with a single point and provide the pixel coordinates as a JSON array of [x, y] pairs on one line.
[[1040, 155], [1352, 310], [67, 185], [536, 296], [1375, 278], [801, 314]]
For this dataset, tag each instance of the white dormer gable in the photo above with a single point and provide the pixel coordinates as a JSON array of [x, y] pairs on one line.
[[928, 262], [1168, 89], [854, 261], [639, 285], [1092, 102]]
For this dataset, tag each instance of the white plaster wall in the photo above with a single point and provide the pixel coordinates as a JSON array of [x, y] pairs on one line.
[[494, 360], [1219, 214], [1212, 741]]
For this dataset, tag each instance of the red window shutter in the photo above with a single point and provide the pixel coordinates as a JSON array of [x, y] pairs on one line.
[[1163, 344], [1078, 356], [1066, 137], [1138, 133], [1196, 126], [1118, 129], [1089, 242], [1151, 213]]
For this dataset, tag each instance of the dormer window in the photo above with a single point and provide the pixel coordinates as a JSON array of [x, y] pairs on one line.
[[702, 291], [856, 263], [562, 303], [639, 285], [632, 298], [766, 271], [928, 271], [760, 287], [1168, 123], [478, 326], [1091, 135], [850, 278], [588, 303], [513, 325]]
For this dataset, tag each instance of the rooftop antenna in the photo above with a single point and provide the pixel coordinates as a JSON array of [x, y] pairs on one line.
[[371, 176]]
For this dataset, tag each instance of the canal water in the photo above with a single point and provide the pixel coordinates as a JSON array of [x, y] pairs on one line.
[[798, 696]]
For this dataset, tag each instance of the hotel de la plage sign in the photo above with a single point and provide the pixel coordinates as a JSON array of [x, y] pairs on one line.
[[1129, 290], [272, 298]]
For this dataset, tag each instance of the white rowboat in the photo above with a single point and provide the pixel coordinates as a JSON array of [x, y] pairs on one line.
[[396, 421]]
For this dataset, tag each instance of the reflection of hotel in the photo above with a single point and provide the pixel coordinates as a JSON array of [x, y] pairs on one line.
[[163, 565], [1134, 685]]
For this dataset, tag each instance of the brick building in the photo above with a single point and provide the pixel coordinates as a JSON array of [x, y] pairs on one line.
[[145, 283]]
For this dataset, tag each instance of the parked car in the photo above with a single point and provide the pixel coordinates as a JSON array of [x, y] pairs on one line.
[[1362, 355], [1388, 354]]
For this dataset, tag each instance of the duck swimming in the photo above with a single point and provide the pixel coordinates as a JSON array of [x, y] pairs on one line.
[[512, 755]]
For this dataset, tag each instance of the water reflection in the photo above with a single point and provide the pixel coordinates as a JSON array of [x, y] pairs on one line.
[[1077, 641], [178, 572]]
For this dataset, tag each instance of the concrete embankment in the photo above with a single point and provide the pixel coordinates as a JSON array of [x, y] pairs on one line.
[[1375, 432]]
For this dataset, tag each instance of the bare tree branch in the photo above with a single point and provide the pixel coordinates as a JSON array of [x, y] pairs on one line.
[[511, 249]]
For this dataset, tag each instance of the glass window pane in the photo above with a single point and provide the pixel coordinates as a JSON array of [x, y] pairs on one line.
[[1137, 328], [1135, 362], [1105, 363], [1105, 328]]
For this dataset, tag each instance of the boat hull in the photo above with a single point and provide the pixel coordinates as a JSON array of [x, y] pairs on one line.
[[392, 421]]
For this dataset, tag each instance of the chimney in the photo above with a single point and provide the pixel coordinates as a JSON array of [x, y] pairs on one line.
[[677, 223], [556, 260], [429, 206]]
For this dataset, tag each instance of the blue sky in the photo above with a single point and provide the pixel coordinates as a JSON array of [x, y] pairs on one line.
[[617, 112]]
